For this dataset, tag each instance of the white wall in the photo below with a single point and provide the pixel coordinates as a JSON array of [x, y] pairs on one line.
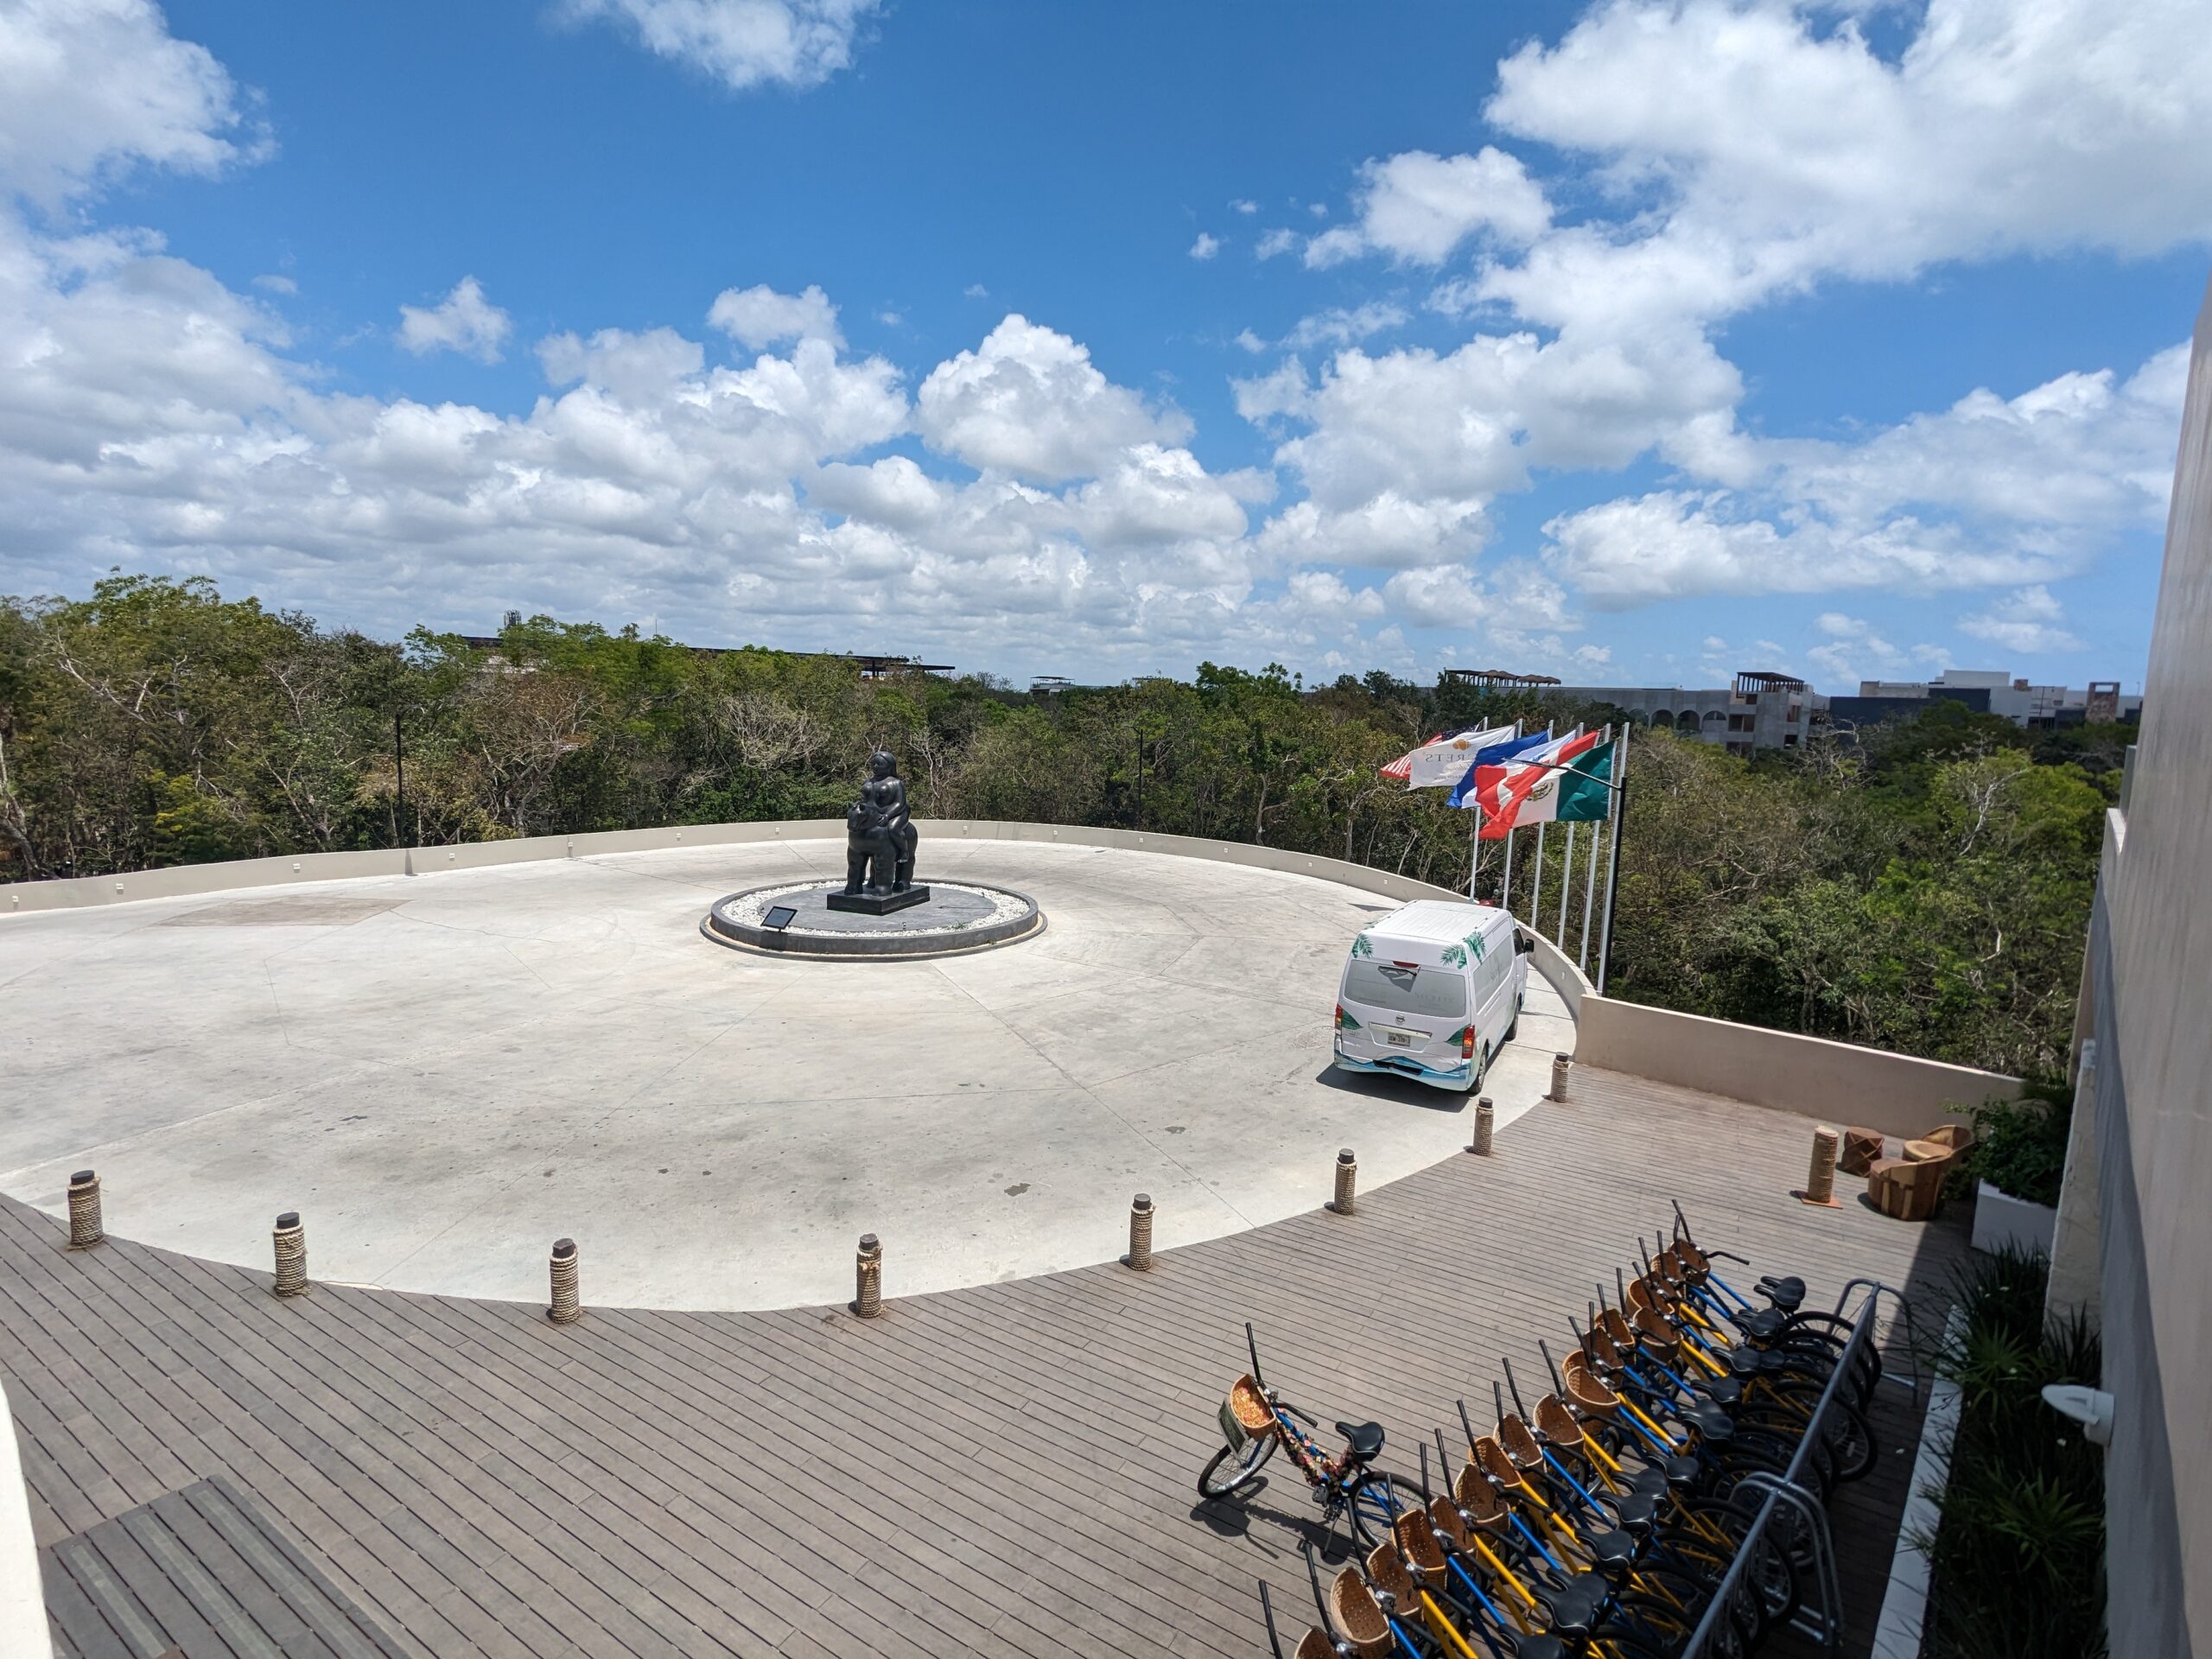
[[1839, 1083], [23, 1633], [2154, 1112]]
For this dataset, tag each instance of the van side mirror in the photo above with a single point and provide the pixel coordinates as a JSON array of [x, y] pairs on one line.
[[1523, 945]]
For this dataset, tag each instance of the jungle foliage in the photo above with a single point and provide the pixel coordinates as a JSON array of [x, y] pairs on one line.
[[1925, 889]]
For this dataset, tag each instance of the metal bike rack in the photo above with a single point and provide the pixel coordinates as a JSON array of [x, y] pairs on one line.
[[1875, 1290], [1789, 1489], [1827, 1628]]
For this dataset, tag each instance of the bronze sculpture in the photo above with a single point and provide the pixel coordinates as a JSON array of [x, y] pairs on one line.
[[879, 844]]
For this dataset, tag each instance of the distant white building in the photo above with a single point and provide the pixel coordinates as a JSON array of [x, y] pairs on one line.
[[1779, 711], [1759, 711], [1991, 692]]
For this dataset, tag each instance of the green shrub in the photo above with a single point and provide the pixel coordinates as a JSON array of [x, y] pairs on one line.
[[2020, 1145], [2018, 1561]]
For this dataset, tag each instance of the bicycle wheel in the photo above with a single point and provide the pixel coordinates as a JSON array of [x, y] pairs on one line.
[[1848, 1438], [1828, 1333], [1374, 1501], [1624, 1636], [1708, 1534], [1234, 1467]]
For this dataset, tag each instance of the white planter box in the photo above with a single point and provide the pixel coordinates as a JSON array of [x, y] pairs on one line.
[[1999, 1219]]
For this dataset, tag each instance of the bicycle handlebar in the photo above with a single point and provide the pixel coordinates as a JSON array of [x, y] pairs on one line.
[[1267, 1612]]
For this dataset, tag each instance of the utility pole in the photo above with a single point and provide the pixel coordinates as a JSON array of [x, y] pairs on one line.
[[399, 777], [1137, 732]]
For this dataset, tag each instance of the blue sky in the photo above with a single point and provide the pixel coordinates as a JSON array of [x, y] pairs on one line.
[[1635, 343]]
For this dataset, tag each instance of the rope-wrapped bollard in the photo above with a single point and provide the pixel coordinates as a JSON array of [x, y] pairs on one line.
[[1140, 1256], [85, 1228], [291, 1241], [1820, 1181], [1561, 1064], [565, 1307], [1347, 1179], [1485, 1126], [868, 1274]]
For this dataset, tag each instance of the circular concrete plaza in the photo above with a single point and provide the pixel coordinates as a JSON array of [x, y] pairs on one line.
[[443, 1073]]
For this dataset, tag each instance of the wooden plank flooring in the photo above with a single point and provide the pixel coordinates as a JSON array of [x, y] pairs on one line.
[[1006, 1470], [201, 1570]]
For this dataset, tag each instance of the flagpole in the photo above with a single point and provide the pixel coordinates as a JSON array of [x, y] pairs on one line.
[[1537, 892], [1613, 873], [1590, 882], [1590, 890], [1505, 893], [1475, 842], [1566, 884]]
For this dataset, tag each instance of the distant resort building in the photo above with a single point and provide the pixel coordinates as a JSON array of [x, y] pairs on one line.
[[1759, 711], [1763, 710], [2041, 707]]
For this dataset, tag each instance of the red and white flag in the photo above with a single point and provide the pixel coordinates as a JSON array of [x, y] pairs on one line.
[[1502, 791]]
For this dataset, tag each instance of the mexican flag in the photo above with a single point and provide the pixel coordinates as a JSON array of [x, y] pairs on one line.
[[1579, 795], [1526, 789]]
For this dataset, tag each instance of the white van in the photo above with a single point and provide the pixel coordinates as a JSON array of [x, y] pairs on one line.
[[1432, 992]]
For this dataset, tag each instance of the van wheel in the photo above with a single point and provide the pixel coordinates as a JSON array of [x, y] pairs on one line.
[[1482, 1070], [1514, 1030]]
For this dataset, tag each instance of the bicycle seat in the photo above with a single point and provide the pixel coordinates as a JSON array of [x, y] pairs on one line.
[[1724, 1390], [1362, 1440], [1573, 1606], [1714, 1425], [1682, 1471], [1635, 1510], [1540, 1647], [1785, 1293], [1613, 1551], [1765, 1325]]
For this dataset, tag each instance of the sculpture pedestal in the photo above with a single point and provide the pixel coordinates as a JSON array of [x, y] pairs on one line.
[[878, 904], [818, 920]]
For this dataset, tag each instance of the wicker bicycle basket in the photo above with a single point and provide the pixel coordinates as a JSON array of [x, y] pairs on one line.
[[1250, 1409]]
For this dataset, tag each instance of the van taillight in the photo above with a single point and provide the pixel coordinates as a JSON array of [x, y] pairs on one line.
[[1340, 1016], [1345, 1021], [1467, 1042]]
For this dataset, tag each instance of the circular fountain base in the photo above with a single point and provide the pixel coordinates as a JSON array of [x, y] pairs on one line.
[[957, 917]]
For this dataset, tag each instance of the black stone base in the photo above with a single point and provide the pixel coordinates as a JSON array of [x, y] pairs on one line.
[[878, 904]]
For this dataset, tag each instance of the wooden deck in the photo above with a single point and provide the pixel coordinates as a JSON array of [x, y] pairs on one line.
[[1005, 1469]]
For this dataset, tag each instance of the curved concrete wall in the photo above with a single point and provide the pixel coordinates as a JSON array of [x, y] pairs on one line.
[[1837, 1082]]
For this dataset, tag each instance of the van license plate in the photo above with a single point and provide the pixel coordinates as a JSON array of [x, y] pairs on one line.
[[1399, 1039]]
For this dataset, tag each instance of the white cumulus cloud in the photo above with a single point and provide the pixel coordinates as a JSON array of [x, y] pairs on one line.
[[1763, 148], [1991, 491], [1028, 401], [759, 316], [1419, 208], [463, 321], [742, 43], [2029, 620], [89, 88]]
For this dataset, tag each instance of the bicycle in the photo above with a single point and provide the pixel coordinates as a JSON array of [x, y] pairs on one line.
[[1255, 1420]]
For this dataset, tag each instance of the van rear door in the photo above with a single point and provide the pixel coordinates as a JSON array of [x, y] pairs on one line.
[[1407, 1008]]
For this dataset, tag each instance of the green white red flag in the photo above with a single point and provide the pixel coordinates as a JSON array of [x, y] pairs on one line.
[[1507, 793]]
